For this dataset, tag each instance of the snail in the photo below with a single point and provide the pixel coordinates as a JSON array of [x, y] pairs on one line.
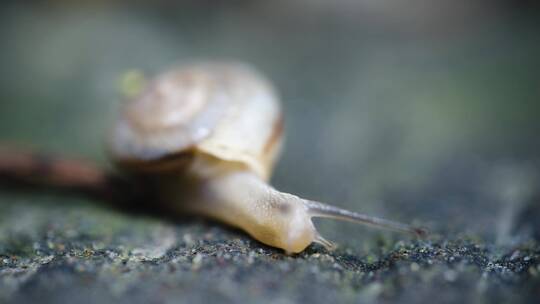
[[210, 133]]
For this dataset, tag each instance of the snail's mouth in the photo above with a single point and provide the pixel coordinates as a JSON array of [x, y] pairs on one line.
[[300, 233]]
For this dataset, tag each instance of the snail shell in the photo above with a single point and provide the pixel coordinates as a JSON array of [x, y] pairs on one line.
[[228, 111], [210, 134]]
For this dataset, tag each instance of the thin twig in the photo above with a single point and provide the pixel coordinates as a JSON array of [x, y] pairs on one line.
[[51, 171], [21, 168]]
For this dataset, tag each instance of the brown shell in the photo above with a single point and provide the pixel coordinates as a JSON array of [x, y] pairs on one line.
[[225, 110]]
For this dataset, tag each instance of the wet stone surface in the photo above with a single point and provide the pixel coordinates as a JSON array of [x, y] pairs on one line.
[[56, 249]]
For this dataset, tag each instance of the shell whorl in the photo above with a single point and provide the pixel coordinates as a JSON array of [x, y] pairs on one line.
[[228, 111]]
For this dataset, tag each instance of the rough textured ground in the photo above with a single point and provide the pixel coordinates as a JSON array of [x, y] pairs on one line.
[[55, 249]]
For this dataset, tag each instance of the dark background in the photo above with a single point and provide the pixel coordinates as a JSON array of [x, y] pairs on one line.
[[421, 111]]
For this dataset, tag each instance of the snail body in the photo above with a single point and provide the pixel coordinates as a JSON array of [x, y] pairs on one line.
[[210, 133]]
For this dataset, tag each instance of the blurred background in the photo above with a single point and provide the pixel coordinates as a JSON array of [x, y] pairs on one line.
[[424, 111]]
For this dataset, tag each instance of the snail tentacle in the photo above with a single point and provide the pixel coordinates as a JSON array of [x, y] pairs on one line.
[[317, 209]]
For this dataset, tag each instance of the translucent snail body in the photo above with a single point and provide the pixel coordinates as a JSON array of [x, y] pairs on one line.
[[210, 133]]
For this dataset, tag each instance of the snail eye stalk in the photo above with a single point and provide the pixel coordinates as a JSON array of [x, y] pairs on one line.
[[317, 209]]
